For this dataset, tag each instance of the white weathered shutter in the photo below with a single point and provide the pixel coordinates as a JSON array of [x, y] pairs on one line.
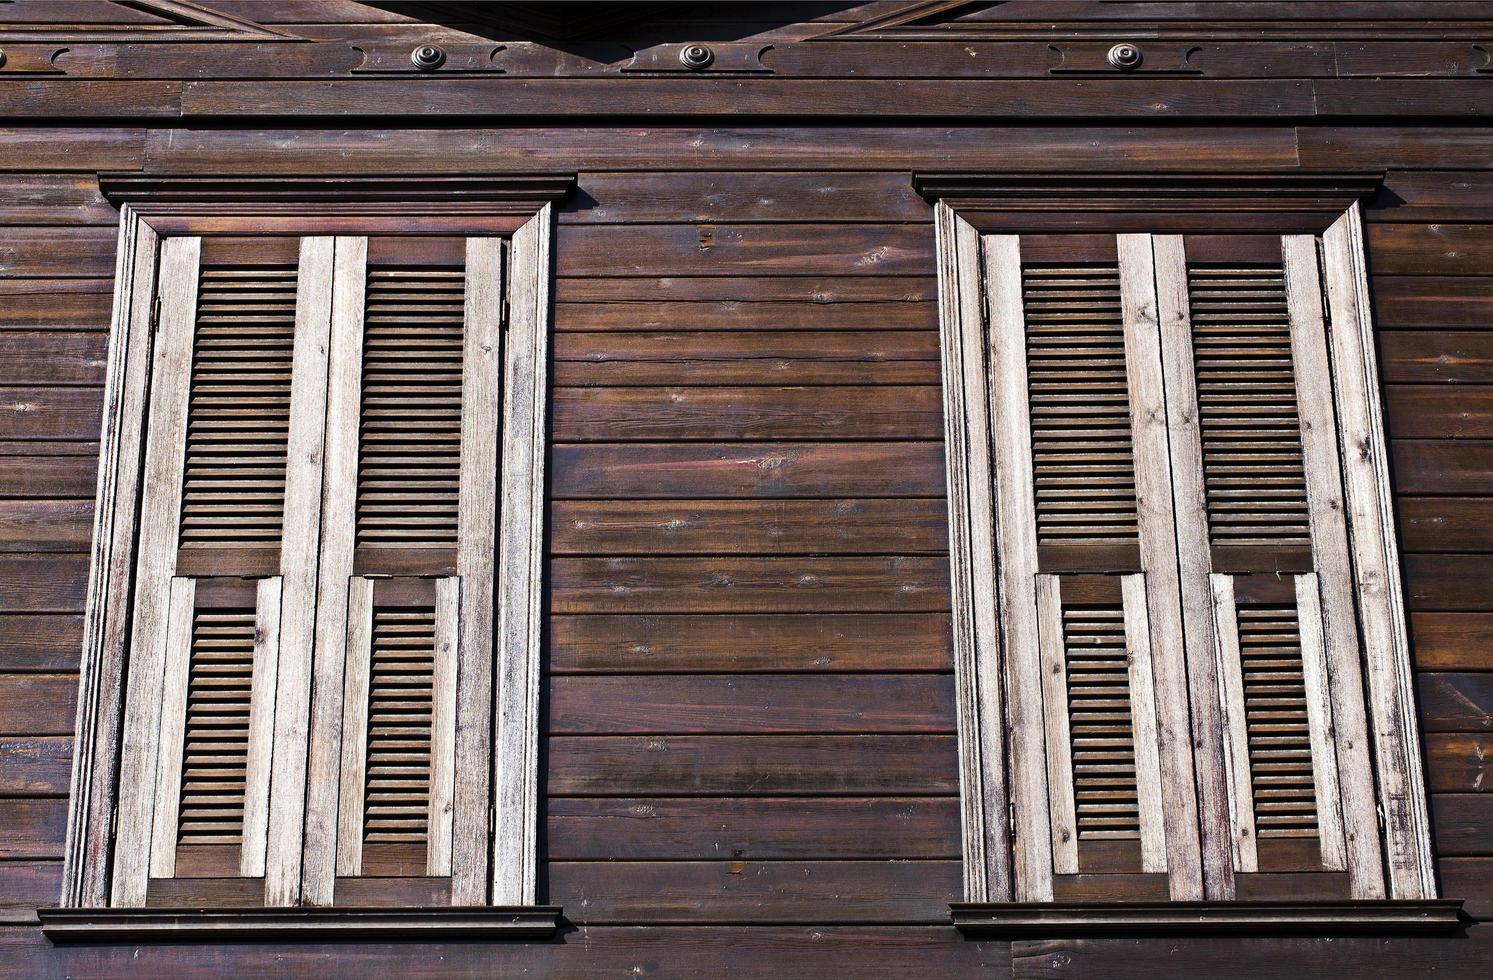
[[218, 532], [1252, 368], [1085, 556]]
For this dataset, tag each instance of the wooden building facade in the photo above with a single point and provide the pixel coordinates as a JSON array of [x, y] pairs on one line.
[[742, 489]]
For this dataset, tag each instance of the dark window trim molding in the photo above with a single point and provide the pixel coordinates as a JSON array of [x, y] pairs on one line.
[[1328, 193], [988, 920], [78, 925], [416, 193]]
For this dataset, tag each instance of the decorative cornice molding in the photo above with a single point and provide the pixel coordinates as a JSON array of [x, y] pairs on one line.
[[342, 924], [1276, 192], [1052, 919], [515, 193]]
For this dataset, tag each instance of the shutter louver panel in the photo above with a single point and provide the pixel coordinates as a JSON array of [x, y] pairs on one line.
[[1082, 463], [216, 742], [1275, 713], [1099, 721], [238, 418], [1253, 470], [409, 463], [401, 672]]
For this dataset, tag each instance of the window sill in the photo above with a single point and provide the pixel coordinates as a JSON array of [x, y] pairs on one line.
[[998, 919], [172, 925]]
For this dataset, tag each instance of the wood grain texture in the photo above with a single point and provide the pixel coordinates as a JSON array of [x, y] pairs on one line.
[[1176, 668], [329, 721], [298, 569], [155, 561], [520, 566]]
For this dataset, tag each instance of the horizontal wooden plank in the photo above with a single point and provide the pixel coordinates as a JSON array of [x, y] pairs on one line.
[[715, 196], [735, 148], [717, 318], [61, 148], [33, 765], [1433, 195], [790, 704], [1441, 147], [888, 469], [38, 704], [33, 829], [54, 199], [1448, 583], [1462, 356], [655, 414], [1455, 702], [747, 249], [1452, 641], [1446, 524], [56, 304], [1470, 879], [649, 892], [1250, 957], [1439, 411], [1440, 249], [32, 252], [762, 765], [50, 413], [1432, 302], [882, 357], [1460, 822], [653, 298], [674, 829], [817, 952], [43, 583], [746, 585], [1441, 466], [46, 525], [25, 886], [50, 100], [744, 644], [46, 357], [741, 527], [1459, 763]]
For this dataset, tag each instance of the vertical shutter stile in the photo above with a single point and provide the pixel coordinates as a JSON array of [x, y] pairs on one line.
[[154, 564], [1356, 842], [1171, 666], [1219, 842], [520, 562], [484, 351], [985, 817], [324, 808], [1016, 538], [299, 552]]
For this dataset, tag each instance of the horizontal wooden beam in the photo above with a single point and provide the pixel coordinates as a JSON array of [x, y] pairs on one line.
[[344, 924], [1007, 919]]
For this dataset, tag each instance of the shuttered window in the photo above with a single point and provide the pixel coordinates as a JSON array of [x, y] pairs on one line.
[[330, 424], [1189, 571]]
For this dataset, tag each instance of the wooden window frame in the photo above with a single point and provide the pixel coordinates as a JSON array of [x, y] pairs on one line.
[[152, 209], [1007, 878]]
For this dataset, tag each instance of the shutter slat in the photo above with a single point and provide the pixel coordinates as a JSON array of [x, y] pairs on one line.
[[396, 796], [238, 414], [1253, 468], [1082, 463], [409, 464], [1099, 720], [215, 753], [1276, 722]]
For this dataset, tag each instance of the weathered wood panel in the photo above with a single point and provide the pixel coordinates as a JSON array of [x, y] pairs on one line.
[[762, 765]]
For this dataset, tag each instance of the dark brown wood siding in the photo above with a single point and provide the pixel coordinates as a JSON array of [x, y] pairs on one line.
[[749, 720]]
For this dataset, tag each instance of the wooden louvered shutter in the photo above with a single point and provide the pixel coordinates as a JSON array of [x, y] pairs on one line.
[[1261, 527], [227, 529], [407, 575], [1090, 616]]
